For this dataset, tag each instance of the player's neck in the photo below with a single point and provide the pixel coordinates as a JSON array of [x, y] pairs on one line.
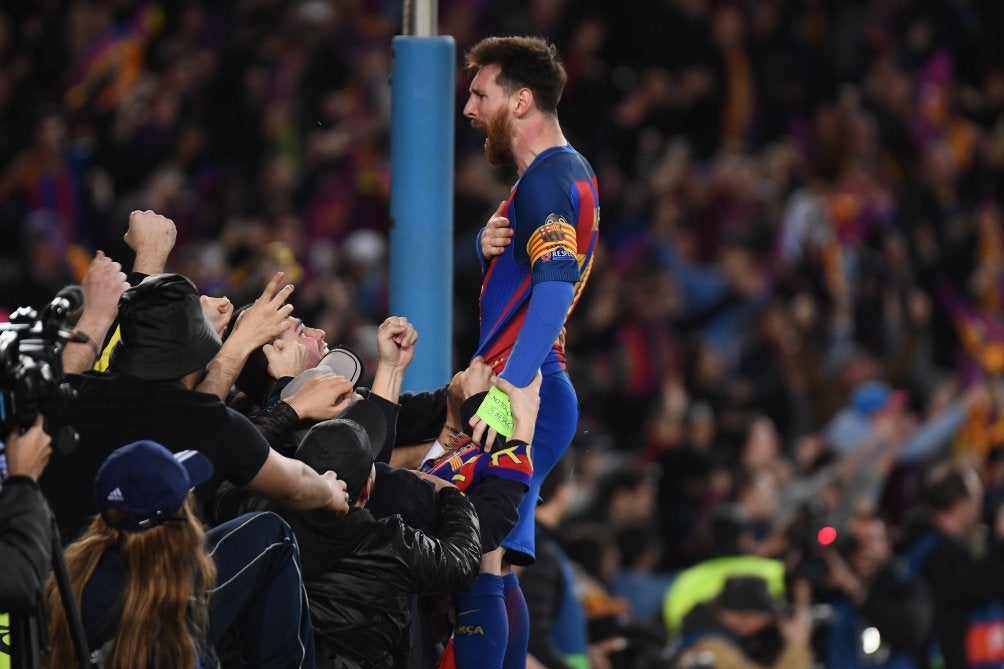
[[535, 140]]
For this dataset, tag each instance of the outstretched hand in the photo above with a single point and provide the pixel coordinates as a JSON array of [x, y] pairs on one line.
[[477, 378], [322, 397], [267, 318], [152, 237], [103, 285], [524, 403]]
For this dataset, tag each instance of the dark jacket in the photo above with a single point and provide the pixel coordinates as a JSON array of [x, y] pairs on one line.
[[960, 584], [396, 490], [361, 573], [25, 544], [111, 410], [898, 605]]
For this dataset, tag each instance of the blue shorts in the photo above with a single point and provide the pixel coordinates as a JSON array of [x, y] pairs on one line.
[[556, 424]]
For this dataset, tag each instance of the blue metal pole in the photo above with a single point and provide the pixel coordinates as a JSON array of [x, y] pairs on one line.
[[421, 201]]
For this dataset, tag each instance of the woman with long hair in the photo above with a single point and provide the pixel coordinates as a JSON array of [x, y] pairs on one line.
[[156, 591], [168, 606]]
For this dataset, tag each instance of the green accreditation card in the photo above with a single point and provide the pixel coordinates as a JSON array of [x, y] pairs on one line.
[[495, 411]]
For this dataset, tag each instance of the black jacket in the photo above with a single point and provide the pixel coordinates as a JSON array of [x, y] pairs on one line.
[[960, 583], [900, 607], [25, 544], [361, 573]]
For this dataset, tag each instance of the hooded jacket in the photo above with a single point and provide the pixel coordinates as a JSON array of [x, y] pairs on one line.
[[360, 574]]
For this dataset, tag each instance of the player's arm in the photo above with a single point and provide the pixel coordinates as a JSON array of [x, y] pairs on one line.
[[545, 236], [545, 316]]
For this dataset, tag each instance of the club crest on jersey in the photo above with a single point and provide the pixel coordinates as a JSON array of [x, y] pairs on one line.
[[551, 230]]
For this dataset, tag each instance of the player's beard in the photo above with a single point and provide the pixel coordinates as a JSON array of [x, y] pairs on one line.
[[498, 144]]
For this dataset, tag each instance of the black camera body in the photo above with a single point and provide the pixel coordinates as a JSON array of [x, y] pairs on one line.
[[31, 367], [807, 535]]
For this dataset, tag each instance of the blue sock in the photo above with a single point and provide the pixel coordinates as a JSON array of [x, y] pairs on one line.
[[519, 623], [482, 629]]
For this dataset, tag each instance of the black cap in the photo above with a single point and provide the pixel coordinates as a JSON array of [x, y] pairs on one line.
[[164, 333], [347, 445], [747, 593]]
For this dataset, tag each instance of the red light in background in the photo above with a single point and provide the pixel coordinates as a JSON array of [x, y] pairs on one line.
[[826, 535]]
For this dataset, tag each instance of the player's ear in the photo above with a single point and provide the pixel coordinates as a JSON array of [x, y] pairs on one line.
[[523, 101]]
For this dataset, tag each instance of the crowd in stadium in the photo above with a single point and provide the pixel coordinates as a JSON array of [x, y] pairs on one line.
[[788, 356]]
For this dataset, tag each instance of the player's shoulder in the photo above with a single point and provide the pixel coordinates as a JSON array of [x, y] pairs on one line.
[[563, 161], [554, 174]]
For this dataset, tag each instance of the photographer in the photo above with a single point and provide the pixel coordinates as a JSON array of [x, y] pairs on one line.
[[745, 627], [881, 613], [25, 532]]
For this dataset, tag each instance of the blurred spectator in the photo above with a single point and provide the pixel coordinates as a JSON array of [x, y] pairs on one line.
[[881, 612], [967, 585], [624, 493], [637, 580], [558, 630], [799, 199], [855, 424], [731, 554], [744, 627]]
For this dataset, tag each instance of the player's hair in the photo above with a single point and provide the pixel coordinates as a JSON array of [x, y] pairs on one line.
[[524, 62]]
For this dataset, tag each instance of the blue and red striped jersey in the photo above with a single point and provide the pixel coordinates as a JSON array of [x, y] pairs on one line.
[[554, 211]]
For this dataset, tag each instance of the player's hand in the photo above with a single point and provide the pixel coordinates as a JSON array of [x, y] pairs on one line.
[[497, 234], [524, 404]]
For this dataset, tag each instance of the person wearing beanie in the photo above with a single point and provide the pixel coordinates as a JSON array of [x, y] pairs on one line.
[[166, 344], [361, 572]]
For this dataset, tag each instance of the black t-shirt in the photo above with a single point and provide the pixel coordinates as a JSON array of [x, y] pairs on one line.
[[112, 410]]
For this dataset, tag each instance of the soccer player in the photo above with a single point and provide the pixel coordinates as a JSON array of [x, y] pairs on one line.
[[535, 268]]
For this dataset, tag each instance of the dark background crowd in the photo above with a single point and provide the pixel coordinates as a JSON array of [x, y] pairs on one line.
[[795, 308]]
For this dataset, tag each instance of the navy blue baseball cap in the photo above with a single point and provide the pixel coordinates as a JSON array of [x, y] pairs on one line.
[[148, 483]]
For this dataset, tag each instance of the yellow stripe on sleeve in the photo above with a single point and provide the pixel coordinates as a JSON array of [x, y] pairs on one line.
[[550, 237]]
